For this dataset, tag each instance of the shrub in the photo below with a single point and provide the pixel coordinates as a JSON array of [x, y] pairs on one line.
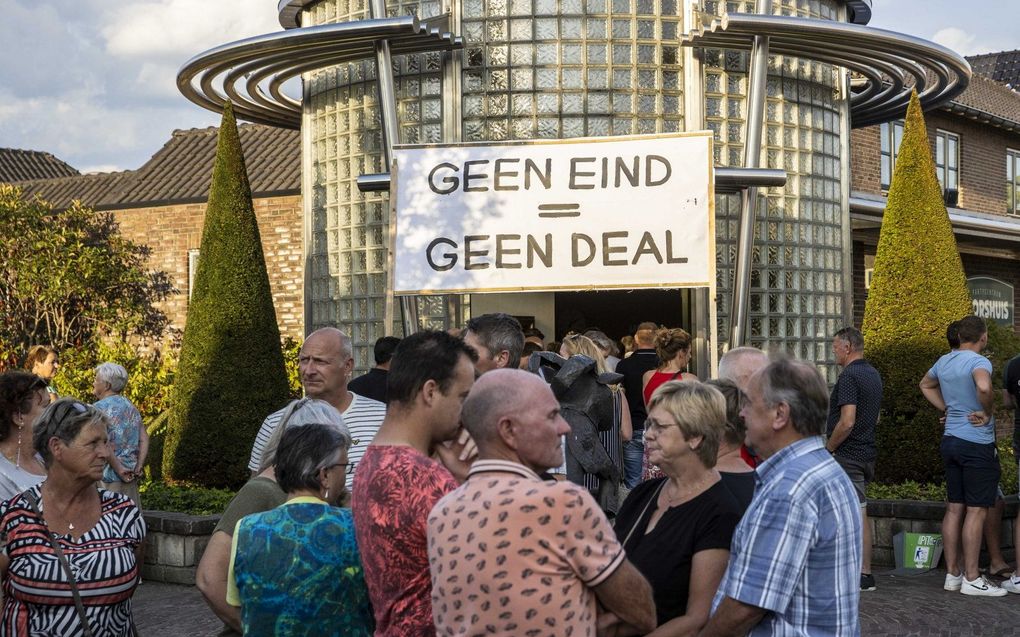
[[291, 351], [918, 288], [231, 372], [150, 374], [69, 277], [191, 499]]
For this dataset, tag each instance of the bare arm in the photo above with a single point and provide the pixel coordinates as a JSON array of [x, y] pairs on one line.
[[732, 618], [930, 388], [707, 568], [985, 393], [847, 416], [626, 425], [143, 450], [211, 579], [627, 594]]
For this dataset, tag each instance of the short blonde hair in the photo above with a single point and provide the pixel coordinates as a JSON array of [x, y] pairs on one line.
[[699, 410]]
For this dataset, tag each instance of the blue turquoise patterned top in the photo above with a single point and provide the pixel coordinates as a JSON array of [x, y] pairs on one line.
[[124, 432], [296, 570]]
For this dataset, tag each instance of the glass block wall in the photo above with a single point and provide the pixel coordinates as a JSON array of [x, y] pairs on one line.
[[348, 242], [569, 68], [797, 277]]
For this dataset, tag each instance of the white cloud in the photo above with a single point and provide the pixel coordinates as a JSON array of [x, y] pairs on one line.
[[958, 40], [179, 29]]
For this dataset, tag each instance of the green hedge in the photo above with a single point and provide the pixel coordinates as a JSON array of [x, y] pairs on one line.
[[190, 499], [918, 288], [231, 372]]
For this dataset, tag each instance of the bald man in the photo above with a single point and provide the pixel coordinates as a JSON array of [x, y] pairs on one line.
[[325, 363], [510, 554], [740, 363]]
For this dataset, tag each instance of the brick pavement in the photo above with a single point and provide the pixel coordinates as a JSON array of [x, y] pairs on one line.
[[912, 606]]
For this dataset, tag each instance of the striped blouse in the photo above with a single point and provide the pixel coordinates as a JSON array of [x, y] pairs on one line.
[[37, 598]]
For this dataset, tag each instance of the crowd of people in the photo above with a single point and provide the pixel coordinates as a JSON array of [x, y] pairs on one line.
[[486, 482]]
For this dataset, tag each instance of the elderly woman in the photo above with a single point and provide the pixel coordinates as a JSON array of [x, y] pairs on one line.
[[23, 397], [736, 474], [296, 569], [129, 441], [677, 529], [71, 561], [42, 360], [261, 493]]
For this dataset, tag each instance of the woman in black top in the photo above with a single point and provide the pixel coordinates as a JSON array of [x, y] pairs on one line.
[[736, 474], [677, 530]]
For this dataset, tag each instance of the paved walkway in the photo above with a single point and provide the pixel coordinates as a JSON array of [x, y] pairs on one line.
[[914, 606]]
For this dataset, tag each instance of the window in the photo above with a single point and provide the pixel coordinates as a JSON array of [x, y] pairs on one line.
[[1012, 181], [947, 159], [891, 136], [192, 270]]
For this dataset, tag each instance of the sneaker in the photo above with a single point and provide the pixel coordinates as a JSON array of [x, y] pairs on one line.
[[953, 582], [981, 587], [868, 582], [1011, 584]]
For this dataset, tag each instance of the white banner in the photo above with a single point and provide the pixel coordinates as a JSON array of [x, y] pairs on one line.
[[576, 214]]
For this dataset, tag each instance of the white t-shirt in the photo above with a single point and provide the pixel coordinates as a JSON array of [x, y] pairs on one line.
[[14, 479], [362, 418]]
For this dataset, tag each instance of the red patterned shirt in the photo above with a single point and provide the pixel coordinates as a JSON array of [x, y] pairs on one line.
[[394, 490]]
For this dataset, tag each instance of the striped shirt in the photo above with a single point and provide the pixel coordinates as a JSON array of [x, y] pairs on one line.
[[37, 598], [797, 550], [362, 418]]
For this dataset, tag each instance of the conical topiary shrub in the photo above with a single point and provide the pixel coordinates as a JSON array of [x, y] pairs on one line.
[[917, 289], [231, 372]]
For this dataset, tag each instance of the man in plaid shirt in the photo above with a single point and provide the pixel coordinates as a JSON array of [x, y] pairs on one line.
[[796, 555]]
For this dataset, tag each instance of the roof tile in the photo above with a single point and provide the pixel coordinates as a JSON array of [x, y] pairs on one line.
[[22, 165]]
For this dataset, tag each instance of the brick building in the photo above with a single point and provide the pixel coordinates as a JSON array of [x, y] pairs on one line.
[[975, 140], [162, 205]]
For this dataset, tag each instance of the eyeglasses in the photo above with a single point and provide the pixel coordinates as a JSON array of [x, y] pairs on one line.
[[71, 405], [658, 427], [348, 470]]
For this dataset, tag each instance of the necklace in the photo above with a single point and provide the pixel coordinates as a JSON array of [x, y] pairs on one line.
[[683, 497], [16, 456]]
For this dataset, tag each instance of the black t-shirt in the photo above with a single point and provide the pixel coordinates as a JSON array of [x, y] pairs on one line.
[[633, 369], [1011, 383], [664, 556], [370, 385], [741, 485], [859, 384]]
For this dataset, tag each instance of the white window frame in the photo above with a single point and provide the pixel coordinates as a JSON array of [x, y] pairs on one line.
[[890, 133], [1012, 181], [947, 159], [192, 269]]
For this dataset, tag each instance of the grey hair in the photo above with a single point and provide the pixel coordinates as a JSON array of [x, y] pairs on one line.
[[304, 411], [852, 336], [346, 345], [740, 363], [800, 386], [113, 375], [63, 419], [304, 451]]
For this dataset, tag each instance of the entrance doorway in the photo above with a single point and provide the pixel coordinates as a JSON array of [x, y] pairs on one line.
[[618, 312]]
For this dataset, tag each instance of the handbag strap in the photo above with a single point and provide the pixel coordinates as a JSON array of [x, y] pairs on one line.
[[637, 520], [33, 502]]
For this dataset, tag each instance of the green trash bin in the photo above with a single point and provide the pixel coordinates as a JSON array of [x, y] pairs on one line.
[[917, 552]]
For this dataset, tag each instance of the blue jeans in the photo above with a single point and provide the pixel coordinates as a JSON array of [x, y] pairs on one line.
[[633, 455]]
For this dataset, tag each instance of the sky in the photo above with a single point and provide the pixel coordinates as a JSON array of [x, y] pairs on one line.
[[94, 81]]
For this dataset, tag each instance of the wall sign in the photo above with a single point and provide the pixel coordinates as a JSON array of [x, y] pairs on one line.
[[580, 214], [992, 299]]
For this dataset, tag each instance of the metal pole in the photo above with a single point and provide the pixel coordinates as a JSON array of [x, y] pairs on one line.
[[391, 137], [757, 79]]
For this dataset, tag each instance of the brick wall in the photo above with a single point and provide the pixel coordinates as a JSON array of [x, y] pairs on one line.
[[1006, 270], [171, 231], [982, 160]]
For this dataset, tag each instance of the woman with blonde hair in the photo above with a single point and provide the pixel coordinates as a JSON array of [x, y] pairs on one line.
[[677, 529]]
